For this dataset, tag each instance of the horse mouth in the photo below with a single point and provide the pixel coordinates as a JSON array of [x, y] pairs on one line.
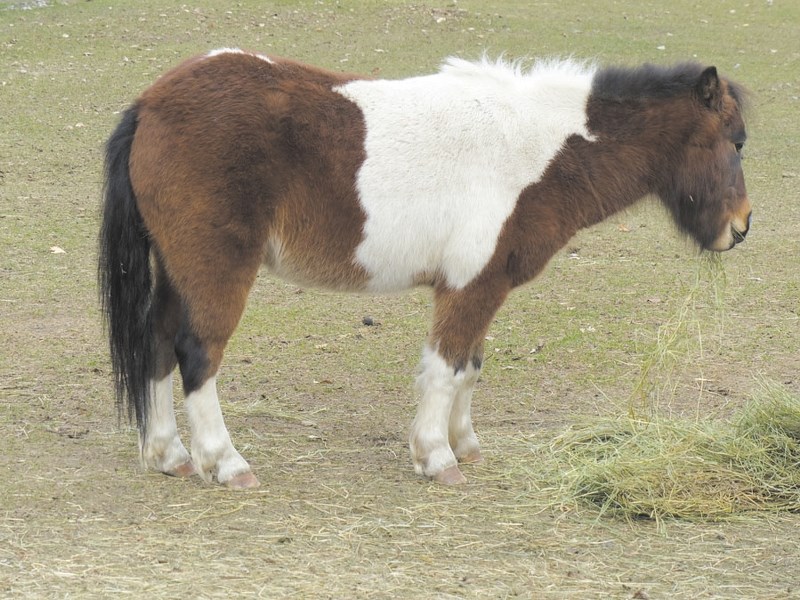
[[734, 236], [739, 235]]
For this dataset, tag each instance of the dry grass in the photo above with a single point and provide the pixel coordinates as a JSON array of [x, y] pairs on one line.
[[679, 341], [693, 470], [650, 465]]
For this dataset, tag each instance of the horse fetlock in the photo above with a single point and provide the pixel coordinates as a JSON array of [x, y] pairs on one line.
[[436, 459], [431, 457], [467, 450], [167, 455], [223, 461], [463, 441]]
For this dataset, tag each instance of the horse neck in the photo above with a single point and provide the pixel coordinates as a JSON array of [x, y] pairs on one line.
[[636, 148], [591, 180]]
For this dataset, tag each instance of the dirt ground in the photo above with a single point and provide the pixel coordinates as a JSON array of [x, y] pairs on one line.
[[320, 403]]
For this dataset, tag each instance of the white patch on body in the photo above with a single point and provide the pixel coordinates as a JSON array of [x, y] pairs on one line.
[[447, 156], [220, 51], [212, 450], [162, 450]]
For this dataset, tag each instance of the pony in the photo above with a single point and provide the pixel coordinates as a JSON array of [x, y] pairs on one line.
[[467, 180]]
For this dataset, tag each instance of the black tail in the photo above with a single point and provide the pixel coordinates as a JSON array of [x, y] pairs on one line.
[[124, 277]]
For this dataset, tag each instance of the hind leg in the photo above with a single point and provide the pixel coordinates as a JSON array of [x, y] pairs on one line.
[[160, 445], [213, 301], [212, 450]]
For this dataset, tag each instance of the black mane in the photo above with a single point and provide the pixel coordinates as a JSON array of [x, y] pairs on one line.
[[645, 82], [656, 82]]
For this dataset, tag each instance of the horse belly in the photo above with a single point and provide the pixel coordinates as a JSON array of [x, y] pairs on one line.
[[316, 257], [420, 248]]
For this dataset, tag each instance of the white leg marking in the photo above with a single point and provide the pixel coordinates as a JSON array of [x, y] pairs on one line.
[[212, 450], [462, 436], [162, 450], [429, 441]]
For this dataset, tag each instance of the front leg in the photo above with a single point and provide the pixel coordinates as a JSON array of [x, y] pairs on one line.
[[462, 436], [442, 433], [431, 453]]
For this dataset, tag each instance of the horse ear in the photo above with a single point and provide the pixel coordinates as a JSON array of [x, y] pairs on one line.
[[709, 88]]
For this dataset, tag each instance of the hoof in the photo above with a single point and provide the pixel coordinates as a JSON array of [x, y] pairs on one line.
[[185, 470], [450, 476], [471, 458], [243, 481]]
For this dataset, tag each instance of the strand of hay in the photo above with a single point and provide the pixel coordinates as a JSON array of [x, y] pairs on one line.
[[679, 341], [691, 470]]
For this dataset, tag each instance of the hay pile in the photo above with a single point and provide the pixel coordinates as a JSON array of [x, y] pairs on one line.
[[662, 467], [648, 465]]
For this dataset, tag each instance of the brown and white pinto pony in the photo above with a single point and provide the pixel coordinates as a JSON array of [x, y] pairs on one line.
[[467, 180]]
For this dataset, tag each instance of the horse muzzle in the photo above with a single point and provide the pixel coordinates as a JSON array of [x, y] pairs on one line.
[[736, 232]]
